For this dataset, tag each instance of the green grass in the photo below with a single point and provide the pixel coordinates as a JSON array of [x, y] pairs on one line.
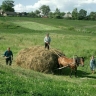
[[35, 26], [16, 81], [70, 36]]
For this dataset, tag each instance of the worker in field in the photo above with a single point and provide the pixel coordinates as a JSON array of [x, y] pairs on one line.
[[47, 41], [92, 64], [8, 56]]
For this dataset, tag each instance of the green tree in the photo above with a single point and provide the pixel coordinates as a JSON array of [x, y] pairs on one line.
[[62, 14], [0, 10], [75, 14], [92, 15], [51, 15], [82, 14], [37, 12], [57, 13], [45, 10], [32, 14], [0, 7], [7, 5]]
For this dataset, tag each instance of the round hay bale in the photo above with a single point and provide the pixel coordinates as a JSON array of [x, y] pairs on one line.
[[39, 59]]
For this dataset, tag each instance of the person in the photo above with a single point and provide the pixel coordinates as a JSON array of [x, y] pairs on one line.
[[92, 64], [47, 41], [8, 56]]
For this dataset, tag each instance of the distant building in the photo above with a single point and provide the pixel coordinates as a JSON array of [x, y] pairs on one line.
[[9, 14], [13, 13], [42, 15], [67, 15]]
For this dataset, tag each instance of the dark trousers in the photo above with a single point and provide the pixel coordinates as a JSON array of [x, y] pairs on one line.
[[47, 46], [8, 61]]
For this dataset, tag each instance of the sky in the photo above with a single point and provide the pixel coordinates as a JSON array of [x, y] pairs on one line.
[[62, 5]]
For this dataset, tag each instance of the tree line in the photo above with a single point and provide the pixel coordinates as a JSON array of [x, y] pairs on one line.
[[45, 11]]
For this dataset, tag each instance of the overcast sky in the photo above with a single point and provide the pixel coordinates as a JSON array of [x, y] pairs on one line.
[[62, 5]]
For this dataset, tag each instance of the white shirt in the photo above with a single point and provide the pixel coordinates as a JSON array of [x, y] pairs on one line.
[[47, 39]]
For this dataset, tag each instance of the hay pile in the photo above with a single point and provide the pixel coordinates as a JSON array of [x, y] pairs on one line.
[[38, 59]]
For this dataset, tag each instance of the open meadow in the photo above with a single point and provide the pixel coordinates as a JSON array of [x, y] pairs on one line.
[[72, 37]]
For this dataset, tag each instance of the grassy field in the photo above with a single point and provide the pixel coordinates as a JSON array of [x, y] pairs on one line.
[[70, 36]]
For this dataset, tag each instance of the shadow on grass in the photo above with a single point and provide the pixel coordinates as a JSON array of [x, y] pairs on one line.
[[66, 72], [1, 72]]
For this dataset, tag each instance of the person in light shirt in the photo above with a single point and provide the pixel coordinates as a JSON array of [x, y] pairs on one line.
[[92, 64], [47, 41]]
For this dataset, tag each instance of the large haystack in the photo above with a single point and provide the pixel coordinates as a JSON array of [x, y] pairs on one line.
[[39, 59]]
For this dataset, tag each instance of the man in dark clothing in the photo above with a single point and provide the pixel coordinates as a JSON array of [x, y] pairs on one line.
[[8, 56]]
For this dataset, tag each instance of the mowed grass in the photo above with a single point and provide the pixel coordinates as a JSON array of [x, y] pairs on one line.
[[35, 26], [15, 32]]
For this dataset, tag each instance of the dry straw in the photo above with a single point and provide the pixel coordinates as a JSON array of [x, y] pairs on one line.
[[39, 59]]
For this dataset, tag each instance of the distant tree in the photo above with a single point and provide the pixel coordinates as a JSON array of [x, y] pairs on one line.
[[45, 10], [57, 13], [68, 12], [37, 12], [92, 15], [87, 17], [0, 10], [32, 14], [82, 14], [75, 14], [51, 15], [7, 5], [0, 7], [62, 14]]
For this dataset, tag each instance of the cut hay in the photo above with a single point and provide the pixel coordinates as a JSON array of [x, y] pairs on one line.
[[39, 59]]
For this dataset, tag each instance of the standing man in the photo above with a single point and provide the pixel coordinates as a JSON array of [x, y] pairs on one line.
[[47, 41], [8, 56], [92, 64]]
